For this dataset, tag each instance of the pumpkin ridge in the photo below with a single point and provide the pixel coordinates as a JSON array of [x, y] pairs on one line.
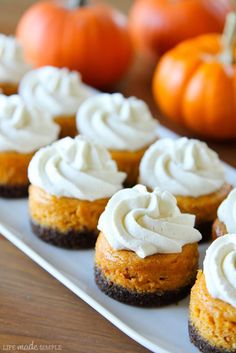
[[79, 39], [194, 87]]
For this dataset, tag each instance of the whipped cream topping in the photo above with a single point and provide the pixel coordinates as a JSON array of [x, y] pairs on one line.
[[12, 63], [185, 167], [227, 212], [58, 91], [24, 129], [116, 122], [147, 222], [75, 168], [220, 269]]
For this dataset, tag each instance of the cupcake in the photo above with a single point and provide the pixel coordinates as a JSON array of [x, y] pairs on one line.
[[23, 131], [192, 172], [124, 126], [212, 315], [58, 92], [72, 181], [12, 64], [226, 217], [147, 251]]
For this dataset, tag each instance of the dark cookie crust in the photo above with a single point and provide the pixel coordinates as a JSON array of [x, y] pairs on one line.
[[205, 230], [202, 344], [126, 296], [13, 191], [71, 239]]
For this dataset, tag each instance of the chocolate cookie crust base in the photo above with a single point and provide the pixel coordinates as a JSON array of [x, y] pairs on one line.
[[205, 229], [13, 191], [202, 344], [71, 239], [126, 296]]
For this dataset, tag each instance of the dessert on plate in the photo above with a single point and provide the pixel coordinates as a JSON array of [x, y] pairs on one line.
[[226, 217], [124, 126], [23, 131], [71, 182], [12, 64], [147, 251], [192, 172], [57, 91], [212, 314]]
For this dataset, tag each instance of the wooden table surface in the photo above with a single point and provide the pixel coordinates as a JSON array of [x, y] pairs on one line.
[[36, 308]]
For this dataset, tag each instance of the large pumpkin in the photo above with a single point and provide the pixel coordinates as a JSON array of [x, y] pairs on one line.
[[194, 84], [158, 25], [92, 39]]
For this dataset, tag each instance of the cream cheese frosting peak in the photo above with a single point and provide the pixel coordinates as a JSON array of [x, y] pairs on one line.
[[220, 269], [116, 122], [24, 129], [185, 167], [147, 222], [227, 212], [12, 62], [76, 168], [56, 90]]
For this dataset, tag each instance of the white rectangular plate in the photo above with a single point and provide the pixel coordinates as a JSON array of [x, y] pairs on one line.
[[162, 330]]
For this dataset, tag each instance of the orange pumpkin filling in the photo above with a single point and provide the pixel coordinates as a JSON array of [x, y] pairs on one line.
[[159, 272], [8, 88], [128, 162], [67, 125], [214, 319], [14, 167], [63, 213], [204, 207]]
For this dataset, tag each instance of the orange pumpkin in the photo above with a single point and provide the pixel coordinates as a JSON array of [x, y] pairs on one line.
[[194, 84], [158, 25], [92, 39]]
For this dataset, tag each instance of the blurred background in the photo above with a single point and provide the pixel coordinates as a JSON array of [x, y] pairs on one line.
[[138, 80], [11, 11]]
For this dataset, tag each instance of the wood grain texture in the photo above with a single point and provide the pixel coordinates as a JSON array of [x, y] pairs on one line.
[[34, 307]]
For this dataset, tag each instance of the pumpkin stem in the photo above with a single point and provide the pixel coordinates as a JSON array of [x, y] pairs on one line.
[[228, 39], [76, 3]]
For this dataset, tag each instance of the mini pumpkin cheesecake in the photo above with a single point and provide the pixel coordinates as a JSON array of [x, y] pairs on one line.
[[71, 182], [192, 172], [212, 313], [12, 64], [147, 252], [124, 126], [226, 217], [58, 91], [22, 132]]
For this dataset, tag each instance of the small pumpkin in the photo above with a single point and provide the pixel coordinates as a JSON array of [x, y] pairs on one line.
[[194, 84], [92, 39], [158, 25]]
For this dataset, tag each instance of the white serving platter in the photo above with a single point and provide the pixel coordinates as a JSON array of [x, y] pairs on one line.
[[161, 330]]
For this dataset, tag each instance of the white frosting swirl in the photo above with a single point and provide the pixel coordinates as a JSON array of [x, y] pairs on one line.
[[147, 223], [75, 168], [116, 122], [58, 91], [220, 269], [227, 212], [24, 129], [12, 63], [184, 167]]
